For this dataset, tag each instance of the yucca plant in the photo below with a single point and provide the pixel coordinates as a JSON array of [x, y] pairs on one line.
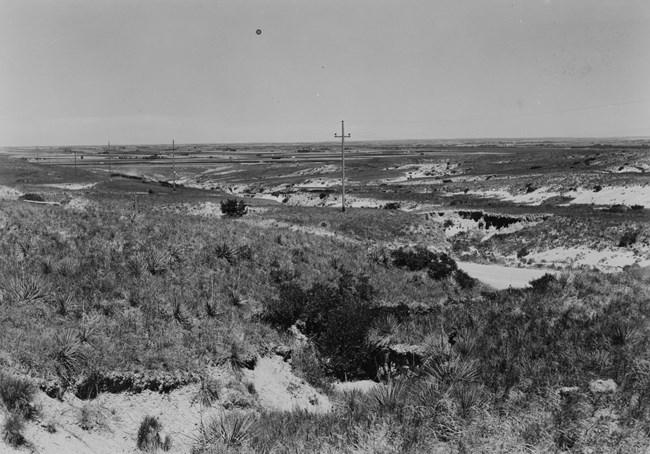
[[390, 396], [470, 397], [180, 315], [453, 370], [27, 288], [226, 252], [67, 354], [232, 429], [157, 262], [208, 392]]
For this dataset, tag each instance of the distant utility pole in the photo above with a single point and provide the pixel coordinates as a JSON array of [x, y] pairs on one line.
[[109, 159], [342, 136], [174, 165]]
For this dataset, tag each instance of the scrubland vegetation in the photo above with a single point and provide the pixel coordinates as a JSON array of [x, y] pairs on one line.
[[110, 299]]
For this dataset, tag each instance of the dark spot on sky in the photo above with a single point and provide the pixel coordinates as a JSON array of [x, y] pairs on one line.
[[258, 31]]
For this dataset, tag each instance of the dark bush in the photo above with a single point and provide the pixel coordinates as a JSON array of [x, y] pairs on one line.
[[628, 238], [149, 438], [441, 266], [233, 208], [33, 197], [464, 280], [637, 207], [523, 252], [337, 319], [413, 259], [12, 431], [543, 284], [392, 206]]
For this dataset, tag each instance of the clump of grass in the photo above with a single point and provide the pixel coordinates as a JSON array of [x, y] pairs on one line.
[[208, 392], [12, 430], [149, 436], [27, 289], [232, 429], [17, 395]]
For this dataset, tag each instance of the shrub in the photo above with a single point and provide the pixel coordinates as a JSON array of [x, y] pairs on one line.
[[441, 266], [12, 431], [32, 197], [628, 238], [392, 206], [464, 280], [438, 264], [208, 392], [637, 207], [337, 319], [233, 208], [413, 259], [543, 284], [149, 436], [17, 395]]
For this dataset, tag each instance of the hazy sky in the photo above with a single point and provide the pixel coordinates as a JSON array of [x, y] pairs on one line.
[[149, 71]]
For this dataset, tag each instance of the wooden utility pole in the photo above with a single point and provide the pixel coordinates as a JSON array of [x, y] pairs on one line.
[[342, 136], [174, 165]]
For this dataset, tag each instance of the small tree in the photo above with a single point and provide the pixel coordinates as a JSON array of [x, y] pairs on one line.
[[233, 208]]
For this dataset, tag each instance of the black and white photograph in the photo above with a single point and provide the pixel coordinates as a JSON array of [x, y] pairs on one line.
[[324, 226]]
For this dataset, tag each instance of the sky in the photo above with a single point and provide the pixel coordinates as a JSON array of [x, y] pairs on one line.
[[195, 71]]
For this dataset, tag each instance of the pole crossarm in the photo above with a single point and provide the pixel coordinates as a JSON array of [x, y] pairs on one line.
[[342, 137]]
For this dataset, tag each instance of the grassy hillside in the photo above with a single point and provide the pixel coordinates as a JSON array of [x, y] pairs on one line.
[[121, 289]]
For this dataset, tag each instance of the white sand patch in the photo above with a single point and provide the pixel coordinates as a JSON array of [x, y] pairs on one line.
[[412, 171], [534, 198], [503, 277], [112, 422], [607, 260], [71, 186], [318, 183], [279, 389], [630, 195], [7, 193], [78, 204], [315, 171], [626, 169], [614, 195], [206, 209]]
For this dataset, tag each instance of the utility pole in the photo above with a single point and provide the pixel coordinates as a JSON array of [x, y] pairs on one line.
[[174, 165], [342, 136], [109, 159]]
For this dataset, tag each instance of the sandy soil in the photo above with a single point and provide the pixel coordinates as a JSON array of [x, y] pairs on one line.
[[607, 260], [614, 195], [7, 193], [503, 277], [109, 423], [71, 186]]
